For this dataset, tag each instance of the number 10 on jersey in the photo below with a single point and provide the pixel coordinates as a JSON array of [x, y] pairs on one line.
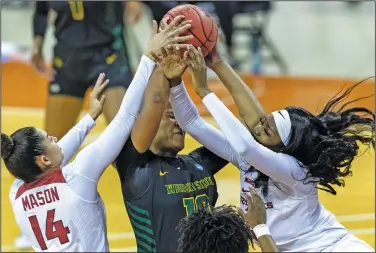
[[193, 204]]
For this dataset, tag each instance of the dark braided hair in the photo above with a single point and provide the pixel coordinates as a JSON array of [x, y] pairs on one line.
[[222, 229], [327, 144]]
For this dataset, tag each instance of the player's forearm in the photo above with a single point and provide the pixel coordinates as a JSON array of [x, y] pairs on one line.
[[137, 88], [246, 102], [264, 238], [40, 22], [72, 141], [235, 132], [280, 167], [93, 159], [267, 244], [184, 109], [147, 123], [191, 122]]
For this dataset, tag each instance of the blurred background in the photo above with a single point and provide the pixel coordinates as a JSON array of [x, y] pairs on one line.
[[320, 38], [289, 53]]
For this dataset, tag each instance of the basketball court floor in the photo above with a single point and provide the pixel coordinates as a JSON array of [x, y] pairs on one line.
[[353, 205]]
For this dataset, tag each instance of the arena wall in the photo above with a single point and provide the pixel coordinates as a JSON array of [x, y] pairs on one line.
[[22, 86]]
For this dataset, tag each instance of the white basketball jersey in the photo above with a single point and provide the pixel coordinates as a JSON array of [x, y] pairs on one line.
[[296, 219], [55, 219]]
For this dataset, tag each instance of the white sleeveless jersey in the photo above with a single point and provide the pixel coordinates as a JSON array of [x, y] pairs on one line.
[[55, 218], [297, 221]]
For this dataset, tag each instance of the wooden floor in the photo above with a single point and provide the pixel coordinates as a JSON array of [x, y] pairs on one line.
[[354, 204]]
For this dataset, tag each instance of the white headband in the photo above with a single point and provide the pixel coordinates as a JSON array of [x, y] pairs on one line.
[[283, 123]]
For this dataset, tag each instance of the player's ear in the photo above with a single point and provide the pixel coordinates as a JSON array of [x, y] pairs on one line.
[[43, 162]]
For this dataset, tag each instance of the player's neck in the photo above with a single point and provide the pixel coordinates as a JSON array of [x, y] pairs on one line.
[[163, 152]]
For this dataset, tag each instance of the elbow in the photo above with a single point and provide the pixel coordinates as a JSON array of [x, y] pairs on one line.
[[159, 94], [158, 97], [243, 148]]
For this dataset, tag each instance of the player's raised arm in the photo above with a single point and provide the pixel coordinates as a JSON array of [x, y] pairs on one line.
[[92, 160], [147, 124], [157, 94], [191, 122], [280, 167], [246, 102], [71, 142]]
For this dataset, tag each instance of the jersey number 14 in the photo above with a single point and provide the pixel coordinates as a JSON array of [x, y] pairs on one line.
[[54, 229]]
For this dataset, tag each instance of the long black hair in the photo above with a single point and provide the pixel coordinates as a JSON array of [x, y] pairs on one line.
[[326, 144], [19, 152], [222, 229]]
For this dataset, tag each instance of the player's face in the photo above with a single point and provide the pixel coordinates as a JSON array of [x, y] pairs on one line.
[[53, 156], [266, 132], [170, 135]]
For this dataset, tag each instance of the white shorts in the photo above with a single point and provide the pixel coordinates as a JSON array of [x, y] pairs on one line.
[[350, 243]]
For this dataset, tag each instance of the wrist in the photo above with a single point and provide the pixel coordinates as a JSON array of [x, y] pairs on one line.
[[150, 56], [174, 81], [261, 230], [216, 66], [94, 115], [203, 92]]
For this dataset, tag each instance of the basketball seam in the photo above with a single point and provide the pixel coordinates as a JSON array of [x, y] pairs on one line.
[[202, 26], [194, 35], [211, 30]]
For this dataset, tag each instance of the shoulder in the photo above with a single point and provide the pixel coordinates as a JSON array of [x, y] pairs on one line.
[[14, 189], [130, 158], [202, 153], [210, 161]]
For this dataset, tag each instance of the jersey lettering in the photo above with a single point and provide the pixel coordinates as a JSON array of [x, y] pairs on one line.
[[54, 229], [40, 198]]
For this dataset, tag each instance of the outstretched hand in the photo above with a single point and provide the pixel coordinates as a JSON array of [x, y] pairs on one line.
[[256, 213], [97, 99], [196, 63], [171, 62], [168, 36]]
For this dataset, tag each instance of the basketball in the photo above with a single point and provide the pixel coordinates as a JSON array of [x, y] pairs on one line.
[[204, 29]]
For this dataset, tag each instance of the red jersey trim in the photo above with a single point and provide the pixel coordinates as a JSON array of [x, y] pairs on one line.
[[54, 177]]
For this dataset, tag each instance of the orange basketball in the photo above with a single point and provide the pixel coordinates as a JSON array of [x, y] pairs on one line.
[[204, 29]]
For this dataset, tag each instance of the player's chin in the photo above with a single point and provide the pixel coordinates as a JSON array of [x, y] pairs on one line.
[[178, 141]]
